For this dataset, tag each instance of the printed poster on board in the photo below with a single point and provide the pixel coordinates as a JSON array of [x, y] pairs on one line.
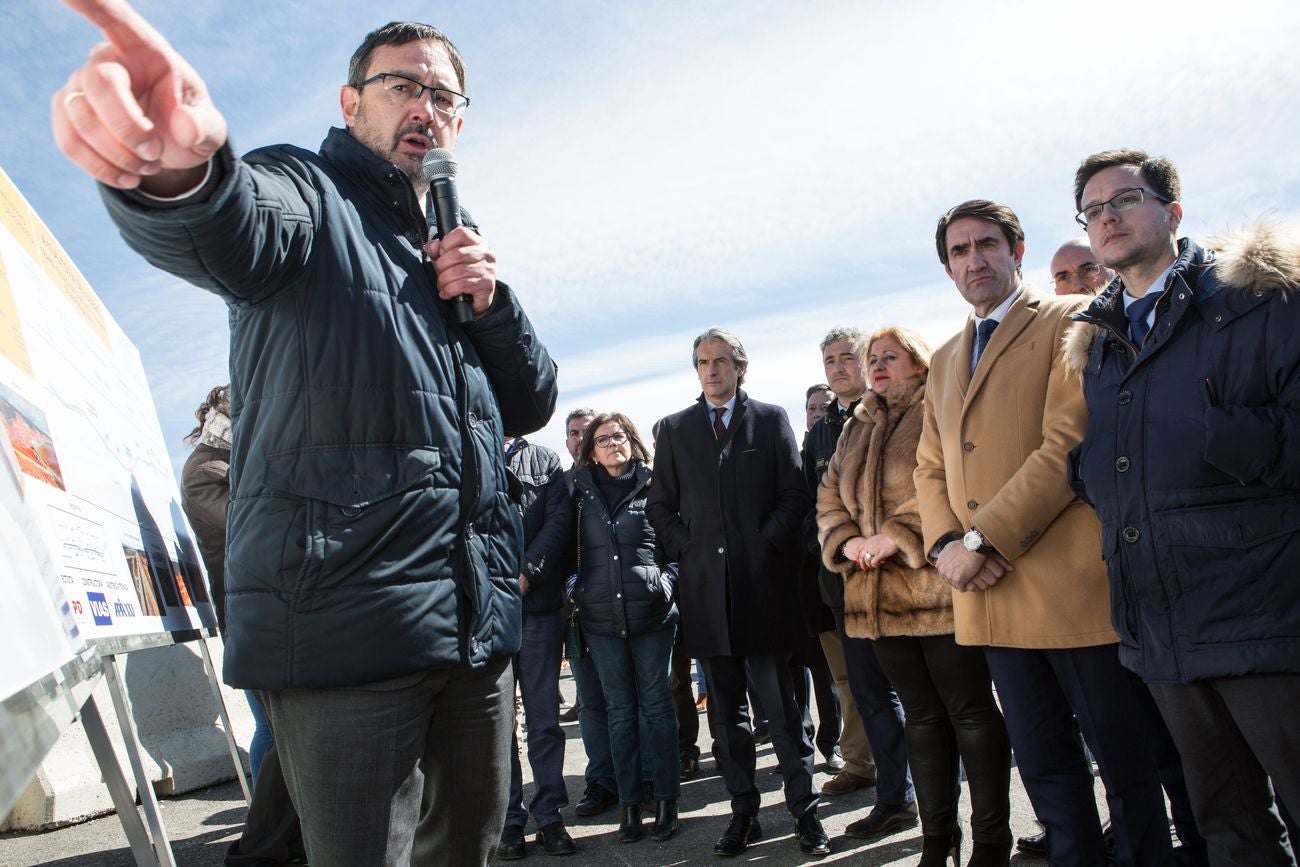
[[79, 431]]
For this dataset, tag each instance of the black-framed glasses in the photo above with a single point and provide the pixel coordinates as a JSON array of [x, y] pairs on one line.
[[1123, 201], [1085, 272], [617, 438], [401, 90]]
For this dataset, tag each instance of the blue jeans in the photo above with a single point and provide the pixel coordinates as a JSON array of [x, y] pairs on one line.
[[262, 737], [593, 723], [634, 677], [537, 668], [882, 717]]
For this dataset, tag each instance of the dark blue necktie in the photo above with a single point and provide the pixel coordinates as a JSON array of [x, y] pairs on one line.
[[983, 334], [1137, 313]]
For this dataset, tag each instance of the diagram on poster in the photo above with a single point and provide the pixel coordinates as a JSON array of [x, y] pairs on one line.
[[79, 433]]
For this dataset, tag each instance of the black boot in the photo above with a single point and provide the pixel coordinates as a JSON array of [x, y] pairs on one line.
[[629, 829], [937, 850], [990, 854], [665, 820]]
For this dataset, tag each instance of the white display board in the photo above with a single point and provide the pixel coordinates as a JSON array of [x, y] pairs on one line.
[[79, 433]]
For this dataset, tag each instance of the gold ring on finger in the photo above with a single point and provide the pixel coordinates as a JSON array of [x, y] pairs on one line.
[[71, 96]]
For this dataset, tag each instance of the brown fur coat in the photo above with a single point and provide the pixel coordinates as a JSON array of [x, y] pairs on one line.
[[868, 489]]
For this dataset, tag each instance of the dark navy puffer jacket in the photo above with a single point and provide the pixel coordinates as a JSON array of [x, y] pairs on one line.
[[371, 534], [547, 512], [1192, 461], [623, 589]]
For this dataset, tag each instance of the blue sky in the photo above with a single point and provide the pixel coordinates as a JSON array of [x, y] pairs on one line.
[[647, 170]]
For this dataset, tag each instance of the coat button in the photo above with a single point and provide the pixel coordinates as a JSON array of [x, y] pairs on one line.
[[1124, 397], [615, 556], [472, 418], [474, 646], [971, 504], [968, 447], [1131, 534], [618, 595], [1122, 464], [722, 550], [351, 511]]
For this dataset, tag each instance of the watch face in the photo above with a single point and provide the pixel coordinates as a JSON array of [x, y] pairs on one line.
[[972, 540]]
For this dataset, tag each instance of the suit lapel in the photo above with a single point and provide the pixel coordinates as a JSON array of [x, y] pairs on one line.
[[1023, 311]]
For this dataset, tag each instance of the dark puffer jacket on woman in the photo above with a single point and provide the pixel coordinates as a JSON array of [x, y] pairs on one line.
[[623, 588]]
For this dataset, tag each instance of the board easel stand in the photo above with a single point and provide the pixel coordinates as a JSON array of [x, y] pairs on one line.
[[151, 847]]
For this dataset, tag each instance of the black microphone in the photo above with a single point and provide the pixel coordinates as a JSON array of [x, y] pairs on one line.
[[439, 169]]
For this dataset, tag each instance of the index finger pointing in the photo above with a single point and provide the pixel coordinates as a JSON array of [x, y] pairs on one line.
[[120, 24]]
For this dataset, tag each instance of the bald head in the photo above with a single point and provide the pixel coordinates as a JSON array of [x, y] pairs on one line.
[[1076, 271]]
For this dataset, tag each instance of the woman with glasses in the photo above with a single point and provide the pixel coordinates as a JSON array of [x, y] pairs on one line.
[[624, 599], [871, 534]]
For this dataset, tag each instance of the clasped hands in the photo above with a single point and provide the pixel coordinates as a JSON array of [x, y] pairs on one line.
[[869, 553], [969, 570]]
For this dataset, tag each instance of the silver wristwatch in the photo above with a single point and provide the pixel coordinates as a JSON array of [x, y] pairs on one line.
[[973, 540]]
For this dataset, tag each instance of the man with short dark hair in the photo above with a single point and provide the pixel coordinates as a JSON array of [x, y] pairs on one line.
[[547, 514], [1022, 552], [372, 547], [1191, 371], [815, 402], [873, 745], [727, 504], [1076, 271]]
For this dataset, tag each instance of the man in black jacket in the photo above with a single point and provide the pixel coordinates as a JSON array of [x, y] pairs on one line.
[[548, 522], [373, 551], [727, 504], [1191, 373], [877, 727]]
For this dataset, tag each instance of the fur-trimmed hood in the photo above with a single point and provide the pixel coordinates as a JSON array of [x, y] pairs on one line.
[[1261, 258]]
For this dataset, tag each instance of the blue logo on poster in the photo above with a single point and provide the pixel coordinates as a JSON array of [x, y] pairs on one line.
[[99, 608]]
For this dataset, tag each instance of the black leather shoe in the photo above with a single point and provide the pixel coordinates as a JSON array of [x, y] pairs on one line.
[[834, 761], [812, 839], [762, 735], [883, 820], [511, 847], [596, 800], [742, 831], [629, 829], [665, 820], [1034, 844], [555, 839], [690, 765]]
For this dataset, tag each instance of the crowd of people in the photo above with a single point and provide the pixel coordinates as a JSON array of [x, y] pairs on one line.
[[1075, 522]]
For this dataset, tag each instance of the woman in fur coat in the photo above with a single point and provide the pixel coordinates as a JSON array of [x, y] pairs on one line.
[[871, 534]]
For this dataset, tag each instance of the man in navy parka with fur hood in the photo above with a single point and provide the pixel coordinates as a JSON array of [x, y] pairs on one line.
[[1190, 363]]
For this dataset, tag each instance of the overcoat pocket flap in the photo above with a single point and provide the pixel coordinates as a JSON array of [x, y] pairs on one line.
[[351, 476]]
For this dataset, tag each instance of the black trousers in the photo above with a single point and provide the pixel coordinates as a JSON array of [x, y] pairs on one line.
[[734, 735], [688, 718], [948, 698], [271, 832], [813, 682], [1234, 734]]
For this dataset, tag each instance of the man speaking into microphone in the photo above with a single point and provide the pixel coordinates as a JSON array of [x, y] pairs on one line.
[[373, 550]]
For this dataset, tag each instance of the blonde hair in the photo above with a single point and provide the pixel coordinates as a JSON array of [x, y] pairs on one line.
[[913, 344]]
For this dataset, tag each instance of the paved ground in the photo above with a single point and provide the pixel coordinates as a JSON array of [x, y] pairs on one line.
[[202, 824]]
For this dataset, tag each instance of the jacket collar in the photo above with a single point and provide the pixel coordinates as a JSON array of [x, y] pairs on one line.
[[584, 480], [373, 173], [1233, 272], [1023, 311]]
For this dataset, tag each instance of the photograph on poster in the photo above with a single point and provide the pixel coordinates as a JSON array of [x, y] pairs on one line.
[[146, 590], [29, 438]]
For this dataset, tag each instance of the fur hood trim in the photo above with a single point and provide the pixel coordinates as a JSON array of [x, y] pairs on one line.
[[1262, 257], [1259, 258]]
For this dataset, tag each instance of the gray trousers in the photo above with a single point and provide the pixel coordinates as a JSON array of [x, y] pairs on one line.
[[411, 770], [1234, 734]]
